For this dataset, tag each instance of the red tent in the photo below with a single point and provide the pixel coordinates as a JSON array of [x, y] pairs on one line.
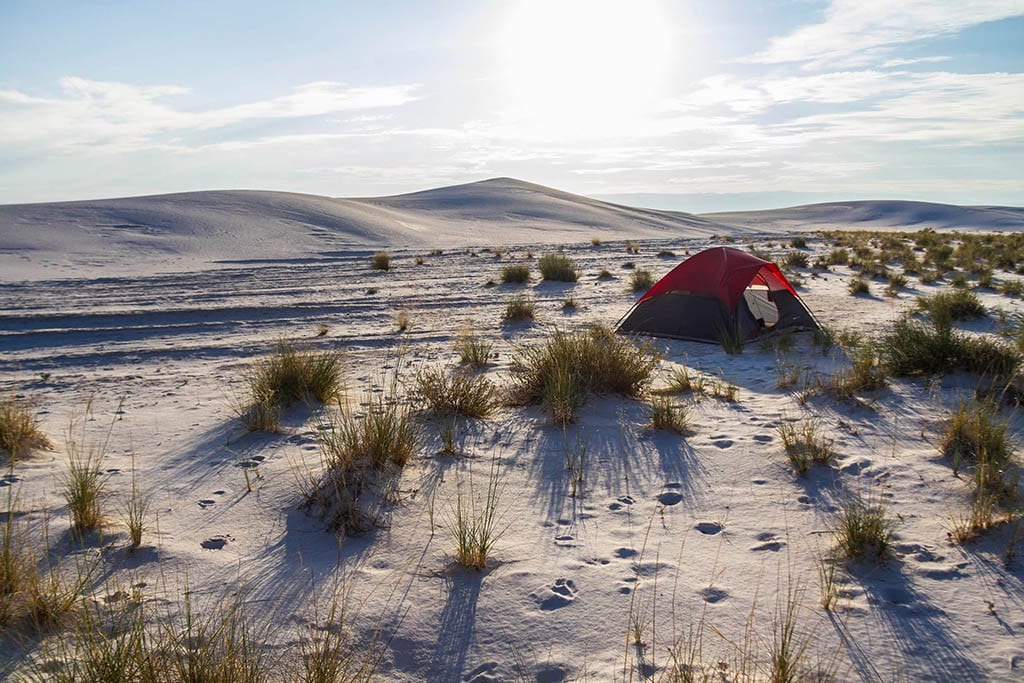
[[719, 291]]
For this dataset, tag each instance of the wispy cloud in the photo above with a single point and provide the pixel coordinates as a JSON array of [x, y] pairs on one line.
[[119, 116], [870, 27]]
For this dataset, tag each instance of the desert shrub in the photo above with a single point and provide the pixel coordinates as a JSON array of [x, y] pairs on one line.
[[595, 241], [631, 247], [629, 265], [805, 445], [858, 286], [862, 529], [475, 522], [354, 450], [567, 367], [866, 372], [838, 257], [795, 259], [456, 393], [666, 415], [557, 267], [666, 253], [515, 273], [519, 307], [288, 375], [1011, 287], [381, 261], [973, 435], [472, 350], [641, 280], [680, 381], [913, 347], [604, 274], [897, 281], [798, 242], [569, 304], [953, 304], [20, 432]]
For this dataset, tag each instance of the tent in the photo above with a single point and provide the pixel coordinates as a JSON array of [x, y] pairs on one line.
[[717, 292]]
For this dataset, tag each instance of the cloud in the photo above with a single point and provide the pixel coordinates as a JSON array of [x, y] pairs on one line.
[[118, 116], [857, 27]]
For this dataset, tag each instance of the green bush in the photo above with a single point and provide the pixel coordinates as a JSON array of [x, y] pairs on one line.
[[641, 280], [557, 267], [515, 273], [950, 305]]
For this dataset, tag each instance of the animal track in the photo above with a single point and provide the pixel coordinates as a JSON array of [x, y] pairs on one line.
[[763, 438], [562, 593], [626, 552], [621, 502], [709, 528], [565, 541], [216, 542], [670, 498], [207, 502], [723, 443], [713, 595], [769, 541]]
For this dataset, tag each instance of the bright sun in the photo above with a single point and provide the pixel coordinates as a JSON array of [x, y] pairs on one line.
[[582, 67]]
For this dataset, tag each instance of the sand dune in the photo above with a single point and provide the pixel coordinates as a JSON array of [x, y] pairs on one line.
[[882, 214], [166, 233]]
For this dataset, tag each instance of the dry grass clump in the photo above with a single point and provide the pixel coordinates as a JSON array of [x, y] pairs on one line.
[[913, 347], [20, 432], [475, 524], [974, 436], [287, 376], [519, 307], [795, 259], [515, 273], [381, 261], [680, 381], [557, 267], [641, 280], [862, 529], [667, 416], [805, 445], [564, 369], [858, 286], [950, 305], [472, 350], [85, 480], [456, 393], [866, 371], [604, 274], [355, 450]]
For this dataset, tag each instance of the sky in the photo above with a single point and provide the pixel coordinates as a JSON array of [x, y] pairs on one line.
[[701, 105]]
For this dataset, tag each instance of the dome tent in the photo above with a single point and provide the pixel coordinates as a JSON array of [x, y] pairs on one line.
[[719, 292]]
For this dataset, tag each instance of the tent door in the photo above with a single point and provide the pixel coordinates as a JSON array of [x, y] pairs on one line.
[[759, 300]]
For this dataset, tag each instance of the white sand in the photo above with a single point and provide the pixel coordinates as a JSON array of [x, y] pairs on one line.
[[708, 529]]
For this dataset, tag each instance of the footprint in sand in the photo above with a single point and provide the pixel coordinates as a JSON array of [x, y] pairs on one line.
[[769, 541], [709, 528], [566, 541], [626, 552], [670, 498], [562, 593], [485, 673], [723, 443], [763, 438], [621, 502], [207, 502], [713, 595], [216, 543]]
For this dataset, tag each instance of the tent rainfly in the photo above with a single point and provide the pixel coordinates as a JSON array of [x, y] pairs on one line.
[[720, 291]]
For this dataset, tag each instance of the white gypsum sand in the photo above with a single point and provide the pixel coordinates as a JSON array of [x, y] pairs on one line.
[[680, 541]]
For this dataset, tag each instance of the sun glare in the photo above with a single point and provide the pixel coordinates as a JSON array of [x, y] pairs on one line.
[[582, 66]]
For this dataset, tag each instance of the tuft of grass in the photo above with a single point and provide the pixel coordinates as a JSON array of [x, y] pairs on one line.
[[515, 273], [641, 280], [862, 529], [666, 415], [472, 350], [475, 524], [595, 241], [604, 274], [567, 367], [951, 305], [557, 267], [795, 259], [84, 482], [730, 338], [805, 445], [569, 304], [1013, 288], [798, 243], [356, 449], [381, 261], [287, 376], [973, 435], [631, 247], [519, 307], [455, 393], [135, 509], [402, 319], [680, 381], [666, 253], [866, 372], [20, 432], [858, 286], [912, 347]]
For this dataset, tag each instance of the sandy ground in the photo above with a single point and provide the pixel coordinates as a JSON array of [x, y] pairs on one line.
[[712, 530]]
